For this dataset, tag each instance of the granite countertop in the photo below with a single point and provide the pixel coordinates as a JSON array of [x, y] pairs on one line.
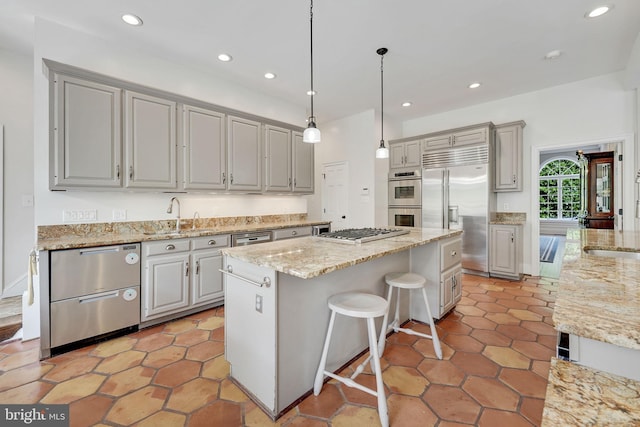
[[69, 236], [508, 218], [308, 257], [599, 297], [581, 396]]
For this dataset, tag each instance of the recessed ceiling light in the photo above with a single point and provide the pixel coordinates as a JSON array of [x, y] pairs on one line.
[[269, 76], [553, 54], [132, 19], [312, 92], [224, 57], [406, 104], [474, 85], [598, 11]]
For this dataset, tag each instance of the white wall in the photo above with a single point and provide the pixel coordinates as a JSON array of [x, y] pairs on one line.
[[590, 111], [64, 45], [16, 107]]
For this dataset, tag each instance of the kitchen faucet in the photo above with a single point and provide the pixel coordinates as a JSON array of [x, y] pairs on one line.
[[170, 209], [196, 214]]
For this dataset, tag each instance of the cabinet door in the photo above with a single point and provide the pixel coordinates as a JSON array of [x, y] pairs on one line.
[[277, 153], [206, 278], [457, 286], [86, 134], [244, 154], [205, 159], [396, 155], [166, 285], [503, 254], [150, 141], [508, 158], [446, 291], [471, 136], [303, 165], [412, 154], [440, 141]]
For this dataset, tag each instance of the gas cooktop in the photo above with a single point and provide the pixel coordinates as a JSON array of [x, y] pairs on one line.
[[361, 235]]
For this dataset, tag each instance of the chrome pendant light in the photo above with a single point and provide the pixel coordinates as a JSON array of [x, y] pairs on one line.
[[382, 152], [311, 133]]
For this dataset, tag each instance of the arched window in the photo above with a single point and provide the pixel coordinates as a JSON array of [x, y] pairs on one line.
[[559, 189]]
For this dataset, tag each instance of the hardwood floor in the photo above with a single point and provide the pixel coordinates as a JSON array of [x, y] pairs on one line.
[[552, 270]]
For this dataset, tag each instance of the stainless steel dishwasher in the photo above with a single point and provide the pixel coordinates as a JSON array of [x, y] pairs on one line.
[[250, 238], [94, 291]]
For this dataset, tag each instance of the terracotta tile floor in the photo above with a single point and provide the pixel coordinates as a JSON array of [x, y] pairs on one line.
[[497, 345]]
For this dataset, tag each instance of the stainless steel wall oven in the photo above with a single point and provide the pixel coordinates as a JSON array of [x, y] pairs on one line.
[[405, 198]]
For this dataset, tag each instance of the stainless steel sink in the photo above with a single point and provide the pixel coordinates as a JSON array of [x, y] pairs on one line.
[[613, 254]]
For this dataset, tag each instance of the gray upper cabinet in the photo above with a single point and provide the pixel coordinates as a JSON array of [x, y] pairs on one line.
[[244, 154], [456, 138], [150, 140], [204, 148], [277, 153], [404, 154], [508, 152], [303, 165], [86, 138]]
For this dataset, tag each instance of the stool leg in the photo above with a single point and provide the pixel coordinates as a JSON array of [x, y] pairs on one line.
[[317, 384], [384, 328], [382, 399], [434, 333]]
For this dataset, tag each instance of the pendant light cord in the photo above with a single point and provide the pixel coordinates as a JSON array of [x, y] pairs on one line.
[[381, 98], [311, 38]]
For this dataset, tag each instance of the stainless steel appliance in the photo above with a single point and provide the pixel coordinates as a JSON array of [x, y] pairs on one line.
[[245, 239], [321, 228], [404, 188], [456, 194], [405, 217], [94, 291], [361, 235]]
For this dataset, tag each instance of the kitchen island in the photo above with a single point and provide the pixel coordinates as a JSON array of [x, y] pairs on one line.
[[598, 308], [276, 312]]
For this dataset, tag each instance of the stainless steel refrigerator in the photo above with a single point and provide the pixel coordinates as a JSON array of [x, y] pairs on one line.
[[457, 194]]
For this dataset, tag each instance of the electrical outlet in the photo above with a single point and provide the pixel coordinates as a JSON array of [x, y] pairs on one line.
[[505, 206], [119, 214], [27, 200], [259, 303]]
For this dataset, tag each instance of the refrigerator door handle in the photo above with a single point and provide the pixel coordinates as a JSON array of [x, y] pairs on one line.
[[453, 214]]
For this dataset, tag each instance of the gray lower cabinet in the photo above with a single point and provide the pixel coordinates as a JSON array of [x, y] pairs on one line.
[[508, 152], [150, 140], [204, 149], [444, 281], [85, 134], [180, 276], [244, 154], [505, 245]]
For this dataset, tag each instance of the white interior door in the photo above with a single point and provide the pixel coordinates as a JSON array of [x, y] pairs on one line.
[[335, 200]]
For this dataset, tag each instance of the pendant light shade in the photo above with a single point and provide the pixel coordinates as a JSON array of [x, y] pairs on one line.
[[311, 133], [382, 152]]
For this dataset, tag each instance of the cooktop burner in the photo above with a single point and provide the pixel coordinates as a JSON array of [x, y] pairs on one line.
[[362, 235]]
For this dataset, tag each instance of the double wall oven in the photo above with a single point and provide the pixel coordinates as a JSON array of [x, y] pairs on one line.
[[405, 198]]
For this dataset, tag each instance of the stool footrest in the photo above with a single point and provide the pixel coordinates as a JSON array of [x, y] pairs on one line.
[[351, 383], [411, 332]]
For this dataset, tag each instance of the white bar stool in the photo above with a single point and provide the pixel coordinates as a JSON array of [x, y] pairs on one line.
[[364, 306], [407, 281]]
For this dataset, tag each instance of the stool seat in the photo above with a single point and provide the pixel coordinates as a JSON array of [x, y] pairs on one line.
[[405, 280], [358, 304]]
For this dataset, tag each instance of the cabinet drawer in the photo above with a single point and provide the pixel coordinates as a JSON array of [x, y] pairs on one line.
[[287, 233], [450, 253], [165, 247], [208, 242]]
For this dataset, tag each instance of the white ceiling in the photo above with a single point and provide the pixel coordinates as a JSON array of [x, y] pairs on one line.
[[436, 48]]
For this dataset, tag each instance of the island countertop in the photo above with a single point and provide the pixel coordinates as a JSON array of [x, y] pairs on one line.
[[599, 297], [309, 257]]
